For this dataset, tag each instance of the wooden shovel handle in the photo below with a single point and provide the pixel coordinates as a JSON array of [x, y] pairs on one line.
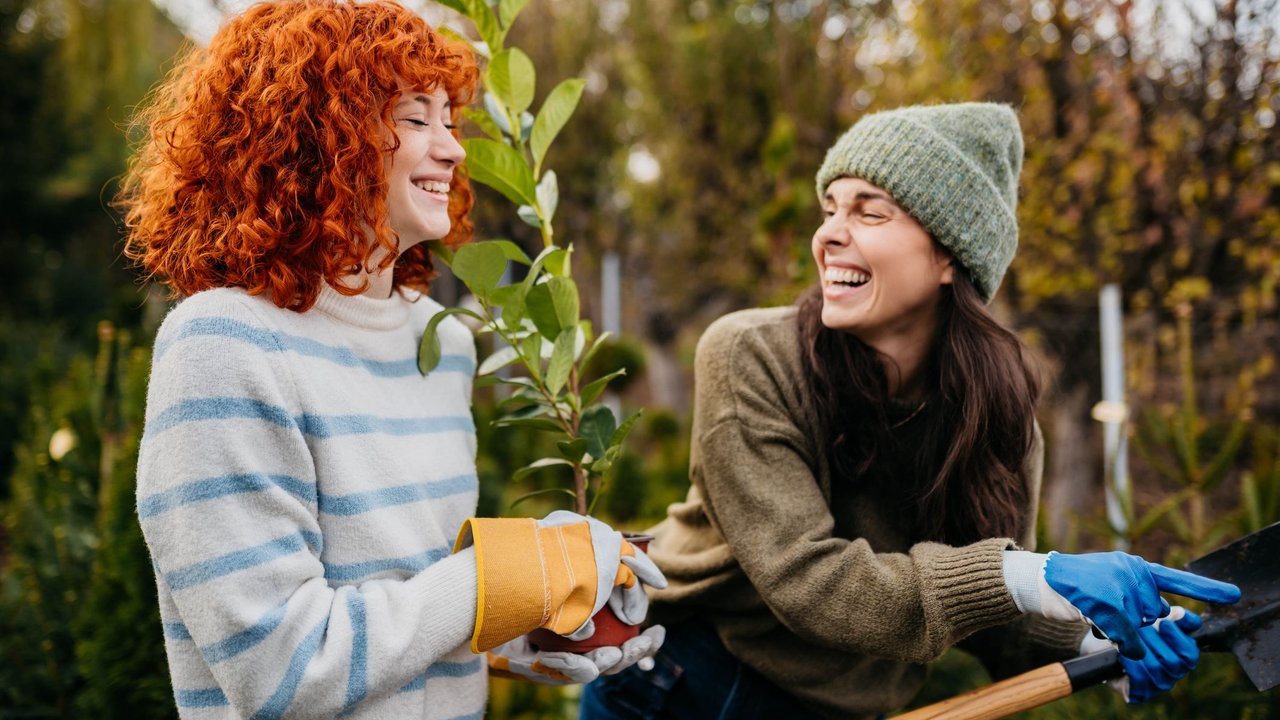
[[1023, 692]]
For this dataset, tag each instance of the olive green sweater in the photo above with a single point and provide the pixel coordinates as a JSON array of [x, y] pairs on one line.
[[809, 581]]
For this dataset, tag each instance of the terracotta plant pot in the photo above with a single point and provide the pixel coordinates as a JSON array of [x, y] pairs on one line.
[[610, 631]]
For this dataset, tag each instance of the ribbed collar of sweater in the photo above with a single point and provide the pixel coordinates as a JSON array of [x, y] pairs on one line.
[[364, 311]]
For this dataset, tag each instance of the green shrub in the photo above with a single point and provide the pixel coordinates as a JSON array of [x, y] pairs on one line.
[[79, 624]]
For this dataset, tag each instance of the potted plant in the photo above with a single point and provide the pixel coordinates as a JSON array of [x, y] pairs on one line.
[[536, 321]]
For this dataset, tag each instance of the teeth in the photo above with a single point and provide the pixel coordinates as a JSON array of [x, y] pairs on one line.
[[845, 275], [433, 186]]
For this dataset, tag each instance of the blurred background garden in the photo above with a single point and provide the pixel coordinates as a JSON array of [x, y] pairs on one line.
[[686, 183]]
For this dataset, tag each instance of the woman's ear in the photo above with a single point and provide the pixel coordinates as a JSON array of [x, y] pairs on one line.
[[948, 272]]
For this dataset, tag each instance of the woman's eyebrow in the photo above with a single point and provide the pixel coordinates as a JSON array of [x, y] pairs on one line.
[[862, 196], [868, 195], [424, 100]]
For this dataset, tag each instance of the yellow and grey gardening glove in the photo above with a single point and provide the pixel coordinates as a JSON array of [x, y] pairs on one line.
[[628, 600], [553, 573], [518, 659]]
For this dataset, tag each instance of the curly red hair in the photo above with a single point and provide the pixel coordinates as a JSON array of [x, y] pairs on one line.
[[263, 161]]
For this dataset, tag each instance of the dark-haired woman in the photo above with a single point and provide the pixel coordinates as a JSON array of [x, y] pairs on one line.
[[866, 465]]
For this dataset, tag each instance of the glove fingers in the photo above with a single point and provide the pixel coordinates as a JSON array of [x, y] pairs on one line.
[[1125, 635], [1189, 621], [1143, 592], [1162, 659], [630, 604], [1182, 645], [640, 650], [1193, 586], [645, 569], [658, 634], [1142, 687], [605, 658], [569, 666]]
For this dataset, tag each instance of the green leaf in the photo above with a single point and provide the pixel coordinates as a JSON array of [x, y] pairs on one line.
[[553, 306], [619, 435], [508, 10], [440, 250], [458, 6], [513, 251], [500, 296], [481, 119], [513, 309], [548, 192], [500, 167], [595, 387], [573, 450], [529, 216], [537, 465], [481, 266], [512, 77], [429, 346], [499, 359], [601, 466], [526, 125], [597, 426], [497, 115], [526, 496], [557, 263], [491, 380], [486, 23], [555, 112], [536, 423], [531, 349], [591, 352], [561, 361]]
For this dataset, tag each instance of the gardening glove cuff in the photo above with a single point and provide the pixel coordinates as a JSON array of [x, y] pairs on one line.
[[1024, 577], [553, 573]]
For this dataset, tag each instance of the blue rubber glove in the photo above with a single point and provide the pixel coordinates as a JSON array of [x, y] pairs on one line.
[[1120, 593], [1171, 654]]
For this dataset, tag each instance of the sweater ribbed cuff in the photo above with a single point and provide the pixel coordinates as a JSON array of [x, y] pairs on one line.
[[968, 586]]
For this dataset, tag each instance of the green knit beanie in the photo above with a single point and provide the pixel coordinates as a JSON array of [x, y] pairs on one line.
[[953, 167]]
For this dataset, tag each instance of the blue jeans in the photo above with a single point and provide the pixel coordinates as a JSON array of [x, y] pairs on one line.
[[693, 678]]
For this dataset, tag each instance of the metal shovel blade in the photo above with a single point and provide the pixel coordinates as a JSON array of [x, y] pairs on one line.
[[1249, 629]]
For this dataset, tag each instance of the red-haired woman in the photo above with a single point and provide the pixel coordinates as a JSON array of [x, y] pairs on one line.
[[865, 465], [300, 483]]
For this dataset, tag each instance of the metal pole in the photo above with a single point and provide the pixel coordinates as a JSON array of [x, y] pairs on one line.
[[1113, 412], [611, 313]]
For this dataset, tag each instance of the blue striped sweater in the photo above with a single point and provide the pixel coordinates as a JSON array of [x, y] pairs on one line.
[[299, 486]]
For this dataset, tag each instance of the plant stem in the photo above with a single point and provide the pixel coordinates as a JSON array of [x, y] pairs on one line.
[[579, 488], [570, 423]]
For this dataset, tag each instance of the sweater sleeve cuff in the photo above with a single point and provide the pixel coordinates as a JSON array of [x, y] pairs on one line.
[[969, 589], [448, 593]]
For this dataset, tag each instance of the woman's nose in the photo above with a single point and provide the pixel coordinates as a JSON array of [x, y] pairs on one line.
[[832, 232], [448, 149]]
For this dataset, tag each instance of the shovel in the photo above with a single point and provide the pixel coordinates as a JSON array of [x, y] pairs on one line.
[[1249, 629]]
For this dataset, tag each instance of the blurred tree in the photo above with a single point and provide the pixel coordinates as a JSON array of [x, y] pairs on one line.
[[72, 71], [79, 624]]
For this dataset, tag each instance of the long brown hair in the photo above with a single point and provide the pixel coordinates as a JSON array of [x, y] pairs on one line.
[[959, 481]]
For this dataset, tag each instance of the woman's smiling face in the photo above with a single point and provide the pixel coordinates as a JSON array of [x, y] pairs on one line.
[[420, 170], [881, 271]]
